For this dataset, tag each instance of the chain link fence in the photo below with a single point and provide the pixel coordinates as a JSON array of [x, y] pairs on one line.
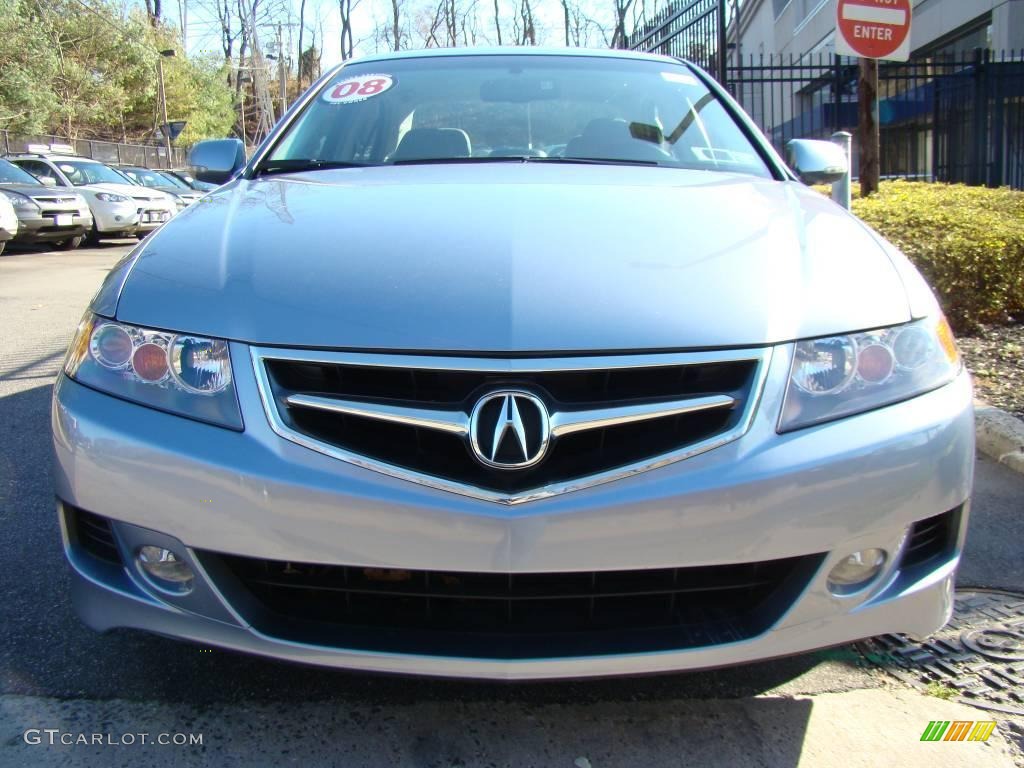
[[112, 152]]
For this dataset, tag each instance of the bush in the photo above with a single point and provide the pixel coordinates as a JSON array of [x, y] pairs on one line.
[[967, 241]]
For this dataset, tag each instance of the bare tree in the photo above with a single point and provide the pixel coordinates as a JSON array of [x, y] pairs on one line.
[[345, 8], [396, 24], [154, 11], [497, 21], [619, 39], [523, 25]]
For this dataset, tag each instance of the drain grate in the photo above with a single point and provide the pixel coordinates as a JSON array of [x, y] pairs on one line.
[[979, 653]]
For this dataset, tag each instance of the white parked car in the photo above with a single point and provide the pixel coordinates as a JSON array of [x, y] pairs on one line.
[[119, 208], [8, 222]]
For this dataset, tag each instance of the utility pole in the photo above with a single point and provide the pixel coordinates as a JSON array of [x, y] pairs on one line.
[[869, 134], [281, 73], [166, 129]]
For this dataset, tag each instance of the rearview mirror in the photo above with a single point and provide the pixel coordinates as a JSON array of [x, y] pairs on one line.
[[519, 90], [216, 160], [47, 181], [817, 162]]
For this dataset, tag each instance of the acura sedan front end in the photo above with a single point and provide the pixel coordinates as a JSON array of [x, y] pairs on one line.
[[514, 365]]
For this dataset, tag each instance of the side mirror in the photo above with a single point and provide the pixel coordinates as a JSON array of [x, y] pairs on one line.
[[817, 162], [216, 160], [47, 181]]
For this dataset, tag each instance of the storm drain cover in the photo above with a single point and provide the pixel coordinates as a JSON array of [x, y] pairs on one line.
[[979, 653]]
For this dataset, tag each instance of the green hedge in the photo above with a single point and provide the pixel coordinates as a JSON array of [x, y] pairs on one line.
[[967, 241]]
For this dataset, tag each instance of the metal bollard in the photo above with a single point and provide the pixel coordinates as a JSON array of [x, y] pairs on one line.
[[841, 190]]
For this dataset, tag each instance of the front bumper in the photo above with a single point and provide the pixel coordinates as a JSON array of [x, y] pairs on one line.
[[115, 218], [44, 229], [857, 483]]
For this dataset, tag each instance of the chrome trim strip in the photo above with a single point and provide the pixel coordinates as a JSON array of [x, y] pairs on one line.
[[259, 354], [508, 365], [568, 422], [455, 422]]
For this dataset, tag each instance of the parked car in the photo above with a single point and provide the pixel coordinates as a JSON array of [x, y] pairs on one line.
[[189, 180], [391, 400], [183, 196], [8, 222], [44, 214], [119, 208]]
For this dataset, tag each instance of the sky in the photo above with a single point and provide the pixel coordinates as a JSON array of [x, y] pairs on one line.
[[203, 33]]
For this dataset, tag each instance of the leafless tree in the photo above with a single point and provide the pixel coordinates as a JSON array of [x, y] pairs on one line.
[[497, 21], [154, 11], [619, 38], [523, 25], [345, 8], [396, 24]]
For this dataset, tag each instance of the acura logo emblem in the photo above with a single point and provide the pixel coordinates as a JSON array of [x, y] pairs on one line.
[[509, 430]]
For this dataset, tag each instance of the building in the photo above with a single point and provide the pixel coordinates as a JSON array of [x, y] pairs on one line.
[[799, 27]]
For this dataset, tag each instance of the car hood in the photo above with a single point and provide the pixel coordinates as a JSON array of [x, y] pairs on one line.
[[38, 191], [512, 258], [129, 190]]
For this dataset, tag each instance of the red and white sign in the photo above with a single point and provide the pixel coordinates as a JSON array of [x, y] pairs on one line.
[[874, 29], [357, 88]]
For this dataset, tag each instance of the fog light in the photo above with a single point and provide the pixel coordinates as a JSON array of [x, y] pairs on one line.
[[165, 569], [854, 572]]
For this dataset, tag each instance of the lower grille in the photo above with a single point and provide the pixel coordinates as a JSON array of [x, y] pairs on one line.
[[932, 538], [93, 534], [499, 615]]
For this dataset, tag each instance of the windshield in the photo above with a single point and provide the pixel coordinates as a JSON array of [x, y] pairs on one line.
[[12, 174], [481, 108], [81, 172], [169, 180], [144, 177]]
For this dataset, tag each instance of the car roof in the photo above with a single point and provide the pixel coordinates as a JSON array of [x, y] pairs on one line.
[[598, 53], [50, 156]]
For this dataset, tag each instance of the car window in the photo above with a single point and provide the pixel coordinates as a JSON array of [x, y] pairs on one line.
[[82, 172], [169, 179], [143, 177], [459, 107], [12, 174], [40, 170]]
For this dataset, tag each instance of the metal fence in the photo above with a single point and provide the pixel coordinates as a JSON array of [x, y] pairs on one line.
[[689, 29], [113, 152], [952, 119]]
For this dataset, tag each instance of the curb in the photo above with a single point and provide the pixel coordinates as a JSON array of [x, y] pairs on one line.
[[999, 435]]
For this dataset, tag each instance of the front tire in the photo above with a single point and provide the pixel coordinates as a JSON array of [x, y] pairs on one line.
[[93, 236], [71, 243]]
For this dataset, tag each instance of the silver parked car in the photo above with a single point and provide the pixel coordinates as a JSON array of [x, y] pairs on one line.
[[514, 364]]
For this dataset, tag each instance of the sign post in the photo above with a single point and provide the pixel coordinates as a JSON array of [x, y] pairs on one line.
[[872, 30]]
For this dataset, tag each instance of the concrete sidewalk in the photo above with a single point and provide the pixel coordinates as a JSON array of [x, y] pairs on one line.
[[847, 730]]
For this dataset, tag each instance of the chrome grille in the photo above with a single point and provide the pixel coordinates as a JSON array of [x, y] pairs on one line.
[[409, 416]]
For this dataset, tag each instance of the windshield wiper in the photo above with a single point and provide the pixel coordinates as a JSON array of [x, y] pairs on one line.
[[527, 159], [297, 165], [441, 160], [592, 161]]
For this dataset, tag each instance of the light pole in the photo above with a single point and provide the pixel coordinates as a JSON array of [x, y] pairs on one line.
[[163, 101]]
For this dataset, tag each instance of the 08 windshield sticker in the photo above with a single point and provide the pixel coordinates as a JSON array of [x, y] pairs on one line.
[[360, 88]]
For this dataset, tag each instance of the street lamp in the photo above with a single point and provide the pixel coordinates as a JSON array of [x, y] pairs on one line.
[[163, 101]]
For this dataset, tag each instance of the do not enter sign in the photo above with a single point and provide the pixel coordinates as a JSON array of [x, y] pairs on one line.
[[873, 29]]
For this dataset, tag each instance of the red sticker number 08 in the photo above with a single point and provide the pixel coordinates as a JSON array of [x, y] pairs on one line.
[[358, 88]]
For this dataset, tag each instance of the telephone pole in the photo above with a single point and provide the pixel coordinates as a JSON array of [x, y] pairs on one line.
[[281, 72], [166, 128], [870, 138]]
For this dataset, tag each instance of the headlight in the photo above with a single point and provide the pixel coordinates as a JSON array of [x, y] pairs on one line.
[[180, 373], [20, 202], [110, 197], [842, 375]]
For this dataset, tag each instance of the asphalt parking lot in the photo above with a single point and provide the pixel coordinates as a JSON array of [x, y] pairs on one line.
[[255, 711]]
